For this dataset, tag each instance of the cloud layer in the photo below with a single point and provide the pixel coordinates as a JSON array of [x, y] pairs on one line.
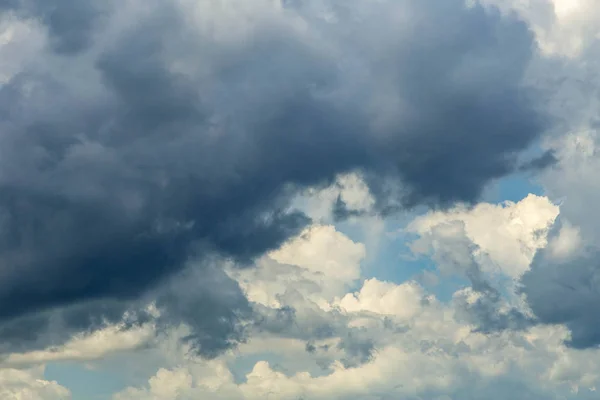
[[144, 134]]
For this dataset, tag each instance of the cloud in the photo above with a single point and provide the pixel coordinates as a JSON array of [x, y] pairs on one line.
[[401, 301], [91, 346], [20, 41], [564, 28], [30, 385], [547, 159], [562, 285], [566, 269], [435, 356], [349, 195], [506, 236], [71, 26], [142, 136], [320, 339], [491, 246], [565, 292]]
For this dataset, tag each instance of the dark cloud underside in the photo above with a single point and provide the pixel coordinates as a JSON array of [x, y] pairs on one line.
[[566, 290]]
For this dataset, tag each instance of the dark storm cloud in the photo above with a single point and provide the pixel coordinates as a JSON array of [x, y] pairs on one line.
[[54, 327], [544, 161], [211, 304], [340, 210], [566, 290], [166, 141]]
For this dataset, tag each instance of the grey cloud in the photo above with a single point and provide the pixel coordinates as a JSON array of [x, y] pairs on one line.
[[566, 291], [453, 252], [340, 210], [486, 312], [115, 167], [311, 323], [358, 347], [54, 327], [547, 159], [211, 304], [304, 321], [71, 24], [205, 299]]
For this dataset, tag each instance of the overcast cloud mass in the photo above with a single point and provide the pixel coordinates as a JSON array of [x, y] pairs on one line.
[[294, 198]]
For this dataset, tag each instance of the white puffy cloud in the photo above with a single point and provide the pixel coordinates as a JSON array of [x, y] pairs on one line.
[[208, 380], [30, 384], [320, 263], [86, 347], [508, 234], [403, 301], [323, 250]]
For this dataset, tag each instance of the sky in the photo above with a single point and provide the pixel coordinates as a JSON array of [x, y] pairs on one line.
[[299, 199]]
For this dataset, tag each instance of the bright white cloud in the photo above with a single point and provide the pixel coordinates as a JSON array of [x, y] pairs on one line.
[[403, 301], [30, 385], [320, 263], [508, 234], [323, 250]]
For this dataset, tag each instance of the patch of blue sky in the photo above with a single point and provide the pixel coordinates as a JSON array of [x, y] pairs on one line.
[[513, 188], [86, 383], [392, 260]]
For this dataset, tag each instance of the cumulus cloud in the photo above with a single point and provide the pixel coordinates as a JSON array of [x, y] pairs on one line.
[[565, 28], [144, 134], [401, 301], [86, 347], [562, 284], [30, 385], [434, 356], [491, 246], [506, 236]]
